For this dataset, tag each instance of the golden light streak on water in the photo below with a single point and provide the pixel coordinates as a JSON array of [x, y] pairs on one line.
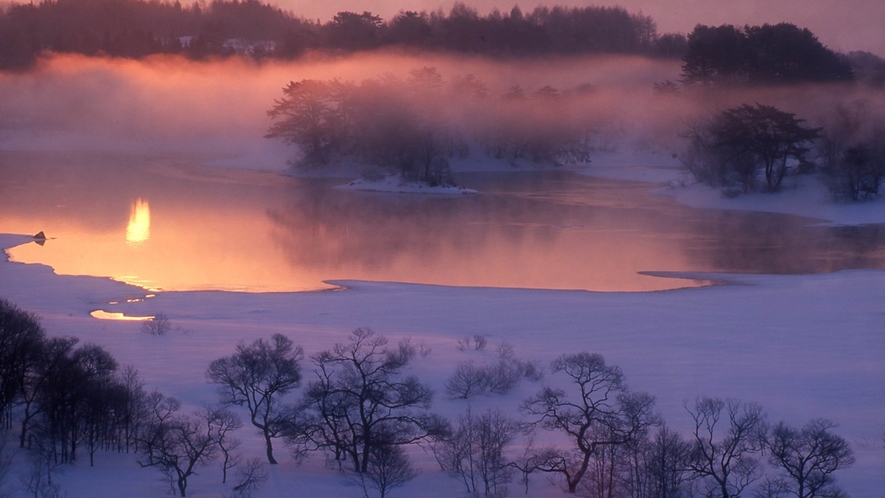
[[107, 315], [139, 228]]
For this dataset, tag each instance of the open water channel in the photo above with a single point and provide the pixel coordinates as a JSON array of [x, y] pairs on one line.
[[165, 222]]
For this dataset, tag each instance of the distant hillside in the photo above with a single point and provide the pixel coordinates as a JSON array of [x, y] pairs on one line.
[[137, 28]]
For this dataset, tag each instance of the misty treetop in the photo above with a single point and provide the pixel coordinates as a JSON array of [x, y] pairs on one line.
[[414, 126], [852, 151]]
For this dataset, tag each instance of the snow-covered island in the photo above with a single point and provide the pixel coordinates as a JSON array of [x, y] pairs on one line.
[[394, 184], [802, 195]]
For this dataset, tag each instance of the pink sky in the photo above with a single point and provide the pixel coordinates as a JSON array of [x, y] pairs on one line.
[[843, 25]]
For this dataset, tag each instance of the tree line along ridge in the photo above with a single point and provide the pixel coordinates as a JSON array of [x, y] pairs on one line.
[[136, 28], [222, 28]]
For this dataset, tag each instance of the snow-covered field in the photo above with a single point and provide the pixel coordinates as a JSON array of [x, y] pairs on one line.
[[802, 346]]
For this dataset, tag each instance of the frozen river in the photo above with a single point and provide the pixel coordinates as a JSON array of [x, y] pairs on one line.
[[166, 223], [803, 346]]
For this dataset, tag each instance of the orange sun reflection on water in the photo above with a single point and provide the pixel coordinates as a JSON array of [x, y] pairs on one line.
[[230, 230], [139, 228]]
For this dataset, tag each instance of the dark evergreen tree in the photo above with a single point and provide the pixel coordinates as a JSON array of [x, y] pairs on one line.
[[785, 54], [767, 54], [351, 31], [715, 55], [410, 29]]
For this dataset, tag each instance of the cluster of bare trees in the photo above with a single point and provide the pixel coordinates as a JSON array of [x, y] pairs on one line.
[[362, 407], [852, 151], [414, 126], [475, 451], [66, 398], [597, 413], [69, 399], [179, 444], [362, 410], [499, 376], [619, 447]]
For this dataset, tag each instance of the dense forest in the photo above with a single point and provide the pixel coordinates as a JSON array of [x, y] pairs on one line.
[[225, 28], [138, 28]]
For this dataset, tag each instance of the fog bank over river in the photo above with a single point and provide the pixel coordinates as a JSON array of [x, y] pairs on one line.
[[120, 165]]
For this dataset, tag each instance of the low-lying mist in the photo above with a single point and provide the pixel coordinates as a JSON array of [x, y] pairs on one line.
[[165, 103]]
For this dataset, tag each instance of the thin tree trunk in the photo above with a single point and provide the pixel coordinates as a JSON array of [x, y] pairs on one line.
[[270, 457]]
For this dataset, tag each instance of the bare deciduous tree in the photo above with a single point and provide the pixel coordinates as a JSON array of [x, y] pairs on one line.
[[158, 325], [477, 343], [6, 461], [468, 380], [475, 452], [727, 435], [177, 445], [37, 479], [807, 458], [389, 468], [499, 377], [250, 476], [257, 377], [603, 412], [222, 422], [362, 400], [667, 464]]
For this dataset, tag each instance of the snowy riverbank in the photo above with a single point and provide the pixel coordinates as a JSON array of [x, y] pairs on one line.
[[802, 195], [802, 346], [396, 185]]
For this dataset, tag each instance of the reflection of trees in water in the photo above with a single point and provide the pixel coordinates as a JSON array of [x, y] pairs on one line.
[[329, 228], [778, 244], [518, 215], [861, 246]]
